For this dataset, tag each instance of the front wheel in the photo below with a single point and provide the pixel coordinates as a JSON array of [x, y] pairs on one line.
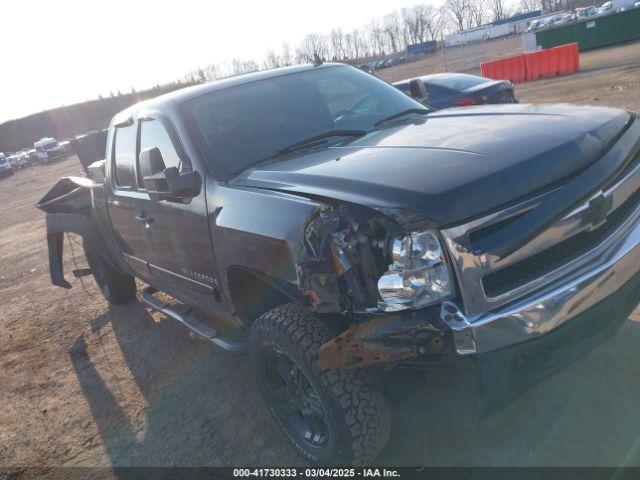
[[331, 417]]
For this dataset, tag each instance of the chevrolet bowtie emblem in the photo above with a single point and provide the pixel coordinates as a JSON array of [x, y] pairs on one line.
[[597, 211]]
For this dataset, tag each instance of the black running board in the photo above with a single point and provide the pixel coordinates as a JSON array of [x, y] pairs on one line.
[[194, 324]]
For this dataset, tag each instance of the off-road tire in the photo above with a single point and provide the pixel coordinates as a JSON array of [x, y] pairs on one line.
[[116, 287], [358, 417]]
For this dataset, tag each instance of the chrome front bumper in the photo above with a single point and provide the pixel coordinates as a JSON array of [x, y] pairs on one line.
[[541, 312]]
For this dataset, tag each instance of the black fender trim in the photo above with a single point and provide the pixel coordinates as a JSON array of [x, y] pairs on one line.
[[57, 225]]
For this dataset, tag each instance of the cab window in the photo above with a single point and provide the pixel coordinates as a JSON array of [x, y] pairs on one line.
[[124, 156], [153, 134]]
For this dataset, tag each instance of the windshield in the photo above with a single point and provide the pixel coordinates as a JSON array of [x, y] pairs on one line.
[[457, 82], [243, 125]]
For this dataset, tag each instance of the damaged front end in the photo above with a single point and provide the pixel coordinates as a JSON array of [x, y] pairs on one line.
[[352, 254]]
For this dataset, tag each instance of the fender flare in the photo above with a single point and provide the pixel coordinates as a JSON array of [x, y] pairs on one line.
[[60, 223]]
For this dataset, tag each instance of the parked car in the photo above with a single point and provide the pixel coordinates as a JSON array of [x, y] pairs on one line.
[[18, 160], [587, 12], [5, 167], [560, 19], [460, 89], [341, 232], [49, 150], [614, 6], [606, 8], [537, 24], [31, 156]]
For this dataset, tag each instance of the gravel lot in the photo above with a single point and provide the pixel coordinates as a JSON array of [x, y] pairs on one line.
[[85, 384]]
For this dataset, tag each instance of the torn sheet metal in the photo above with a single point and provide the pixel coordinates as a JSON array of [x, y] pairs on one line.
[[383, 340]]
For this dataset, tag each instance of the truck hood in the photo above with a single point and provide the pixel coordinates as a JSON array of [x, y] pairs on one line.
[[452, 165]]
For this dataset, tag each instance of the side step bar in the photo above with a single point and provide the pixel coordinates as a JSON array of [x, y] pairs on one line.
[[190, 321]]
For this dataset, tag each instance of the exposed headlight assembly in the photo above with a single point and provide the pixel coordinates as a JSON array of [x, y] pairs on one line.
[[418, 275]]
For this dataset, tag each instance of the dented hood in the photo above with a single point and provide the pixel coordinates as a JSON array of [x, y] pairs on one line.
[[452, 165]]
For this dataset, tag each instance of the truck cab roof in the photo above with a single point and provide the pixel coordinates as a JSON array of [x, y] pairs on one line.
[[170, 100]]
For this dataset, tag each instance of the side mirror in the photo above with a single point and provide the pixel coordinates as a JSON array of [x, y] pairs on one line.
[[151, 162], [418, 89], [164, 183]]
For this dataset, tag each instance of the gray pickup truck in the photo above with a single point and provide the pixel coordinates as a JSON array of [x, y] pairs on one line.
[[340, 232]]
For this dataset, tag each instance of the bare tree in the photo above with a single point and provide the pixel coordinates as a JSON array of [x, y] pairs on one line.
[[421, 23], [272, 60], [212, 72], [410, 25], [313, 44], [459, 10], [238, 66], [375, 36], [393, 31], [435, 23], [555, 5], [499, 9], [354, 44], [477, 13], [337, 44], [286, 54], [528, 5]]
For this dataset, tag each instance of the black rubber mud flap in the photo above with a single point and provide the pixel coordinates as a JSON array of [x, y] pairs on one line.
[[55, 244]]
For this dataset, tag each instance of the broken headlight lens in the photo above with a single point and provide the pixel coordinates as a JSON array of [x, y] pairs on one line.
[[418, 275]]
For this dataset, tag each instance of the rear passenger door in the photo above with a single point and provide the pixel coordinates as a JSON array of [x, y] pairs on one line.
[[127, 206]]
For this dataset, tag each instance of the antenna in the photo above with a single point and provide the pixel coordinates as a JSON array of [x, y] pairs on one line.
[[317, 61]]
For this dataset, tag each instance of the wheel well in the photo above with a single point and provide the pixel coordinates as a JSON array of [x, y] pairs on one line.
[[253, 293]]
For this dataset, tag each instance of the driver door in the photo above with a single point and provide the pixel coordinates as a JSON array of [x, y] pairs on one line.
[[182, 258]]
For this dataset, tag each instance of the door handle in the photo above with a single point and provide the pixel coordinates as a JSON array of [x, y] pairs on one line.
[[145, 218]]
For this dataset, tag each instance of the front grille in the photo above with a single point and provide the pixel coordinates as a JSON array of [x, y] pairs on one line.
[[542, 263]]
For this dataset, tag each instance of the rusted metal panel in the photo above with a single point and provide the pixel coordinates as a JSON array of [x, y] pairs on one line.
[[382, 340]]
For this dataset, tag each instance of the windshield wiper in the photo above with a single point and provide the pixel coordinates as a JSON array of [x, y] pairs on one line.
[[317, 138], [402, 114]]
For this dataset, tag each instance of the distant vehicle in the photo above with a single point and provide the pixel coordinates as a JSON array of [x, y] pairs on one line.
[[48, 150], [587, 12], [617, 6], [30, 154], [607, 7], [537, 24], [446, 90], [560, 19], [18, 160], [381, 64], [5, 166]]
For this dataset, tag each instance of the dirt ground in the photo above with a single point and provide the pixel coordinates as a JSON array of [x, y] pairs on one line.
[[85, 384]]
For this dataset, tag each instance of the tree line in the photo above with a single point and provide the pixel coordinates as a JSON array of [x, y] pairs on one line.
[[379, 37]]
